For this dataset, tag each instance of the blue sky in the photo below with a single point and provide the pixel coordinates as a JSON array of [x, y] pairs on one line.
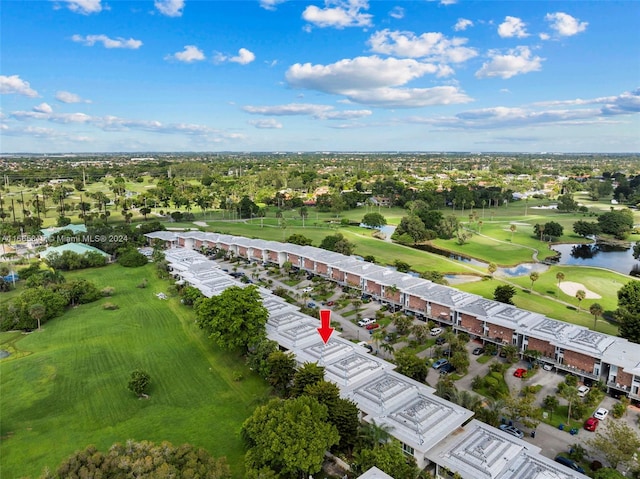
[[334, 75]]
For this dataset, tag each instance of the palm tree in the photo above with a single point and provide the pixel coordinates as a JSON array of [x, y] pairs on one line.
[[534, 276], [551, 403], [580, 294], [597, 310], [37, 312], [375, 434], [560, 277], [512, 228]]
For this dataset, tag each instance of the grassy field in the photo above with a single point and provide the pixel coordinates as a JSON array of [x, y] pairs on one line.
[[65, 387]]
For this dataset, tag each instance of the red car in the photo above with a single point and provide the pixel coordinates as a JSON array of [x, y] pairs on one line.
[[330, 303], [591, 424], [372, 326], [519, 372]]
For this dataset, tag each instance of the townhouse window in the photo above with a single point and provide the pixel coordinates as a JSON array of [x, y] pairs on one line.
[[408, 450]]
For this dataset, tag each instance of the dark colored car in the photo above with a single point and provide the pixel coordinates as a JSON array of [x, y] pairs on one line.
[[565, 461], [478, 351], [446, 369], [440, 341]]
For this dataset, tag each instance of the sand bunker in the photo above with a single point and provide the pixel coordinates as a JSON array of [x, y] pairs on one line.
[[570, 288]]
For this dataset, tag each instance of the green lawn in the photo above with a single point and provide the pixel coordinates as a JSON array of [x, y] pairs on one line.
[[68, 389]]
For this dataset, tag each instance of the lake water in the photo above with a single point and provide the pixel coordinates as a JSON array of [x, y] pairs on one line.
[[598, 255]]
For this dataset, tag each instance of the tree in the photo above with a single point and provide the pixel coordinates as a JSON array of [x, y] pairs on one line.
[[132, 258], [37, 312], [235, 318], [617, 442], [580, 295], [143, 459], [337, 243], [306, 375], [289, 436], [299, 239], [570, 393], [636, 250], [504, 294], [629, 326], [550, 230], [342, 413], [402, 323], [411, 365], [413, 226], [560, 277], [258, 355], [629, 297], [618, 223], [512, 228], [281, 370], [388, 458], [586, 228], [139, 382], [597, 310], [551, 403], [492, 268], [534, 276], [374, 220]]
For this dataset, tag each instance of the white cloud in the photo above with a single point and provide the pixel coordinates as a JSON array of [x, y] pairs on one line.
[[410, 97], [84, 7], [270, 4], [544, 36], [114, 123], [625, 103], [244, 57], [564, 24], [339, 14], [43, 108], [357, 73], [462, 24], [431, 46], [191, 53], [397, 13], [516, 62], [369, 80], [170, 8], [107, 42], [512, 27], [448, 2], [319, 112], [15, 84], [68, 97], [267, 123]]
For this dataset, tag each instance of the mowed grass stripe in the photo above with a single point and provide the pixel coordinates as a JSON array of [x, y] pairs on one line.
[[70, 391]]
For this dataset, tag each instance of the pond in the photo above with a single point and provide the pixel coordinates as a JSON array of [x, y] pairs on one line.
[[599, 255]]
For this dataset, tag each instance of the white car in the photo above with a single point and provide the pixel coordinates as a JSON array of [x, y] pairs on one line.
[[435, 331], [366, 322], [583, 390], [308, 289], [601, 414], [547, 366]]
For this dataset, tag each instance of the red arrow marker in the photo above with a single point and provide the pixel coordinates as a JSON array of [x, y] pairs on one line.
[[325, 329]]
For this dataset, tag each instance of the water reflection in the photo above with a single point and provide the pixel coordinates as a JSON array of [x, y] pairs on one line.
[[612, 257]]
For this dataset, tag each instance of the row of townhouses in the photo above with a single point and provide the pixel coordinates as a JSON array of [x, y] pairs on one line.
[[568, 347], [437, 433]]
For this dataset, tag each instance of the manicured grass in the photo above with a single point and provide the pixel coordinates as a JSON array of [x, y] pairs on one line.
[[69, 389]]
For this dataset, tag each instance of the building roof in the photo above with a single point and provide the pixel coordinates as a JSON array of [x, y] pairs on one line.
[[480, 451], [78, 248], [48, 232], [375, 473], [163, 235]]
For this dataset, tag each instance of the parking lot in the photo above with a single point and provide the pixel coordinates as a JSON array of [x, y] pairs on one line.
[[548, 438]]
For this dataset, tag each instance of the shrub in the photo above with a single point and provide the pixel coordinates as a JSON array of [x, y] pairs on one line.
[[143, 284], [110, 306], [139, 382], [618, 410], [108, 291], [132, 258]]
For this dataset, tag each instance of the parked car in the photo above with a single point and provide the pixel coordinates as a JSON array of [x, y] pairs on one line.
[[311, 304], [520, 372], [583, 390], [308, 289], [503, 353], [591, 424], [372, 326], [440, 341], [478, 351], [435, 331], [447, 368], [366, 345], [366, 321], [439, 363], [601, 414], [565, 461], [330, 303], [514, 431], [547, 366]]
